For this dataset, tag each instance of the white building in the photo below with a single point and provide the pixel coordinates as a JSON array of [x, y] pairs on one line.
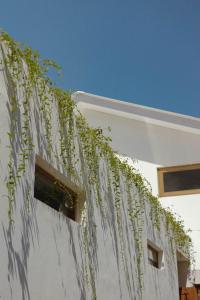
[[83, 224], [156, 139]]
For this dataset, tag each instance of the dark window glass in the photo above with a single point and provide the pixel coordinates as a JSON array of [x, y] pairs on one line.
[[152, 256], [54, 193], [181, 180]]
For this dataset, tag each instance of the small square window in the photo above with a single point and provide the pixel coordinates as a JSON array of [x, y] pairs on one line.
[[155, 255], [179, 180], [53, 189]]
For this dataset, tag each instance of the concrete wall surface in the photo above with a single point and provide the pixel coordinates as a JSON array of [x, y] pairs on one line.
[[44, 254]]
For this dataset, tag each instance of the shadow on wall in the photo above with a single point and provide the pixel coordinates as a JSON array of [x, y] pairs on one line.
[[88, 248], [24, 210], [18, 259]]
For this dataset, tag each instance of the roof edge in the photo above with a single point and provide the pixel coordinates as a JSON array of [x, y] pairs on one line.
[[138, 112]]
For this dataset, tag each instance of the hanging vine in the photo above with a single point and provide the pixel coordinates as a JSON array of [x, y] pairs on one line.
[[27, 74]]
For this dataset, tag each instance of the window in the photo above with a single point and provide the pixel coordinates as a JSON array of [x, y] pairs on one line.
[[152, 256], [179, 180], [155, 255], [56, 191]]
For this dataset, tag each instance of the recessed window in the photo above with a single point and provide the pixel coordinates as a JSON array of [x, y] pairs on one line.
[[56, 191], [152, 256], [155, 255], [179, 180]]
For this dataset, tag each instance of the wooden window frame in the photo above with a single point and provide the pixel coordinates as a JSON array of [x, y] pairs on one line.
[[160, 262], [161, 171], [54, 174]]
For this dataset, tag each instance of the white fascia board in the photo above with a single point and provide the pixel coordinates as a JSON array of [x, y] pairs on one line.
[[137, 112]]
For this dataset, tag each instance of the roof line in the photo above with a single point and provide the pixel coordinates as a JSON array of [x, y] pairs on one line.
[[137, 112], [125, 103]]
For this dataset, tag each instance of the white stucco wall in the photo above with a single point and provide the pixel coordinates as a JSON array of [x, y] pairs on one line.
[[152, 146]]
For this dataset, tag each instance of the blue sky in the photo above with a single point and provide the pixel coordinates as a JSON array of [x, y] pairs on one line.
[[146, 52]]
